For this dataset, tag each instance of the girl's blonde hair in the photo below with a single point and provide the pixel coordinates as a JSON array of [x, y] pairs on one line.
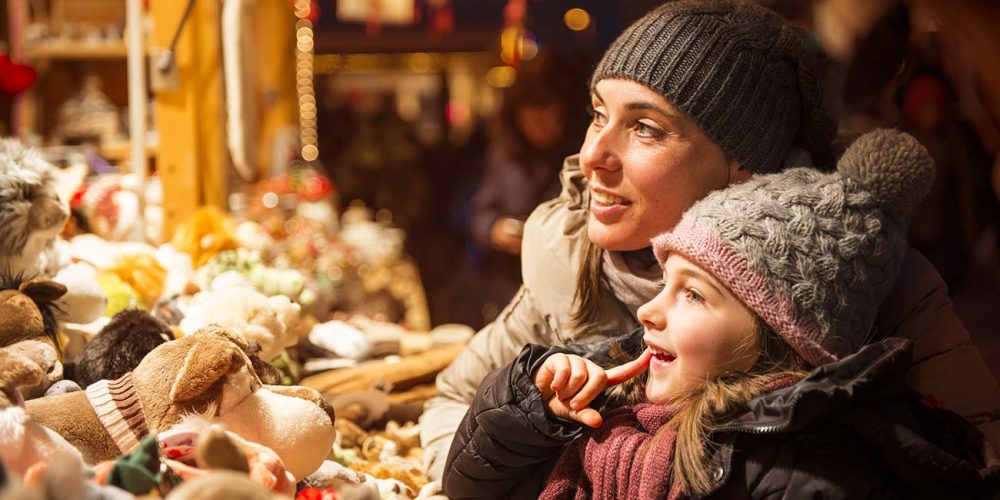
[[709, 405]]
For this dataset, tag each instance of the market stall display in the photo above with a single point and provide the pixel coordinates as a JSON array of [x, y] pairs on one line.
[[280, 288]]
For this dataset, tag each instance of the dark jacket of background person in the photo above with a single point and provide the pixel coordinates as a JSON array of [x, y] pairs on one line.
[[851, 429]]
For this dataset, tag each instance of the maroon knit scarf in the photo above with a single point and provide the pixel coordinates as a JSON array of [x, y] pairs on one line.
[[629, 456]]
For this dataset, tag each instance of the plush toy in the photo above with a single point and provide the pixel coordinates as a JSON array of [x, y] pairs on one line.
[[28, 326], [270, 321], [248, 263], [195, 447], [118, 348], [209, 232], [87, 301], [25, 446], [35, 195], [209, 373]]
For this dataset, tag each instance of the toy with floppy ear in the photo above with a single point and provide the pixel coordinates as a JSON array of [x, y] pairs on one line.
[[208, 373], [28, 326], [24, 444]]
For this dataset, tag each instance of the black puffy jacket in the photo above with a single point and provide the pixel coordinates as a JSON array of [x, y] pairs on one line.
[[851, 429]]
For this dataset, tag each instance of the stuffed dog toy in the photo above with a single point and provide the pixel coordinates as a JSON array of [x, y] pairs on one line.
[[28, 326], [208, 373]]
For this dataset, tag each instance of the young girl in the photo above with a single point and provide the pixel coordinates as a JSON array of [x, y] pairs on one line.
[[762, 282]]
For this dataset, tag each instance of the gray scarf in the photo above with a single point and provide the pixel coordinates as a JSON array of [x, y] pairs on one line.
[[634, 277]]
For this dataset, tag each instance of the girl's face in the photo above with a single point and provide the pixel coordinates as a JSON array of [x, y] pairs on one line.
[[646, 162], [696, 329]]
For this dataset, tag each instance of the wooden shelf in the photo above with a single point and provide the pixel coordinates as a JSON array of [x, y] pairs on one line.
[[81, 50]]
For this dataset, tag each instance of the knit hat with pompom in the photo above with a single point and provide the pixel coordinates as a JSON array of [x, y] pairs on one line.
[[812, 253]]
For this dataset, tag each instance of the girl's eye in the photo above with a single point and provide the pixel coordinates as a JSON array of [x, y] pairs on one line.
[[692, 295]]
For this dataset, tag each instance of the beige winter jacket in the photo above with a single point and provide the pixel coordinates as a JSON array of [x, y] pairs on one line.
[[945, 364]]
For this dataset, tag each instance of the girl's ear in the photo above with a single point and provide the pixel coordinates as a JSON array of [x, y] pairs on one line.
[[737, 173]]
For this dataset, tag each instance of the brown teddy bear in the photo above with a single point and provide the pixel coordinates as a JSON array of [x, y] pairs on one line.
[[28, 326], [208, 373]]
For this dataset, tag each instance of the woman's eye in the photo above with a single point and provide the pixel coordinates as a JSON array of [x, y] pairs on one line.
[[648, 131], [597, 118]]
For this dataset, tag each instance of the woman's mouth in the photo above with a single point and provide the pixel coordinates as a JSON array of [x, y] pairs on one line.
[[606, 206]]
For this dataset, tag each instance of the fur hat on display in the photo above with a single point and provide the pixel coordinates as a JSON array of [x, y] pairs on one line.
[[812, 253]]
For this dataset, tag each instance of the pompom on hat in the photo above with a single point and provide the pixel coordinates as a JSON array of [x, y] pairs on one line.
[[751, 80], [812, 253]]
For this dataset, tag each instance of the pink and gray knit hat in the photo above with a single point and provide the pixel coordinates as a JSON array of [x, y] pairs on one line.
[[812, 253]]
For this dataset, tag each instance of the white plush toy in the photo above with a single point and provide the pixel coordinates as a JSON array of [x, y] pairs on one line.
[[270, 321]]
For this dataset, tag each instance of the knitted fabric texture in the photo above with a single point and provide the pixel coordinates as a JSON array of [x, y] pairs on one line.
[[812, 253], [628, 456], [119, 410], [746, 76]]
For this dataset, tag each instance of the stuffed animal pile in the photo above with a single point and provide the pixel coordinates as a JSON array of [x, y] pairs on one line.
[[129, 369]]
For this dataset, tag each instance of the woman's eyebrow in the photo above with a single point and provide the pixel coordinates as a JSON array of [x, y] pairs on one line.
[[641, 106]]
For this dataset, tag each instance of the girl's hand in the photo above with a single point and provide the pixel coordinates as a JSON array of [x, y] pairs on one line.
[[569, 383]]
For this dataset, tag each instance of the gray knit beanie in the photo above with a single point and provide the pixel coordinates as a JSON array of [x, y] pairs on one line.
[[739, 70], [812, 253]]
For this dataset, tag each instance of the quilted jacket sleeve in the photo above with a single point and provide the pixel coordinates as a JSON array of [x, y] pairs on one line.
[[507, 441]]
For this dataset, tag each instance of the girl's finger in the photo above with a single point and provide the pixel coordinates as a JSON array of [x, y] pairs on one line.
[[631, 369], [577, 377], [597, 380], [559, 364], [587, 416], [543, 378]]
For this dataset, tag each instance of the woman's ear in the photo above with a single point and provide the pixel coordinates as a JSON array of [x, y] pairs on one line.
[[738, 173]]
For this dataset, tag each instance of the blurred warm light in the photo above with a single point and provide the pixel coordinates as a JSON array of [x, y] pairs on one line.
[[310, 153], [420, 62], [510, 41], [501, 76], [457, 112], [576, 19], [529, 48]]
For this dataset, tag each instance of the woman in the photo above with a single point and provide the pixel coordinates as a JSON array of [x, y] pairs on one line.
[[691, 98]]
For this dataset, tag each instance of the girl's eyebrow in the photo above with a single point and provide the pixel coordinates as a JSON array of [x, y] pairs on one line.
[[701, 276]]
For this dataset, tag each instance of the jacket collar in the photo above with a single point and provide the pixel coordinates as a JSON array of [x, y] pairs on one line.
[[875, 373]]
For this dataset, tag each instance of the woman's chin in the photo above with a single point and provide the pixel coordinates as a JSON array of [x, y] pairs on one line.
[[615, 237]]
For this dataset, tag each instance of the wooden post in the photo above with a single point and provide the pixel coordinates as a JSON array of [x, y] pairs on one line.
[[191, 157], [275, 77]]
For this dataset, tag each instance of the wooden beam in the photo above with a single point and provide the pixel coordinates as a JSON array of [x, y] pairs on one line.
[[275, 74], [191, 157]]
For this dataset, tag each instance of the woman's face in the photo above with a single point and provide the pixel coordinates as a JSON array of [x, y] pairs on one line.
[[646, 163], [696, 329]]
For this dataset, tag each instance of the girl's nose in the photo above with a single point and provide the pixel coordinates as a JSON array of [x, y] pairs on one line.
[[652, 316]]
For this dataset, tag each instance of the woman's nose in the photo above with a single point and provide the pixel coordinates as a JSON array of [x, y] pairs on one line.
[[599, 151]]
